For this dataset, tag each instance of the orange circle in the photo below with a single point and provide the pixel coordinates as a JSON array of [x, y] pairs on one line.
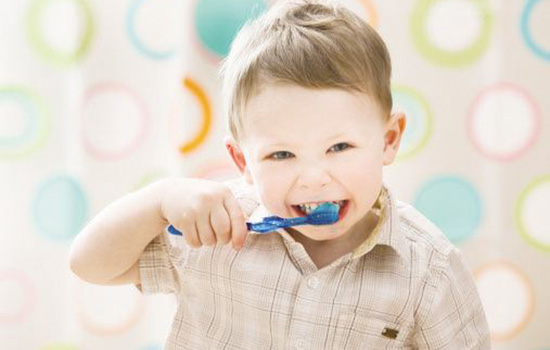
[[530, 299], [199, 93], [371, 10]]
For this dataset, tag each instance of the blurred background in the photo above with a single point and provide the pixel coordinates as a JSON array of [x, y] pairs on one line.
[[99, 98]]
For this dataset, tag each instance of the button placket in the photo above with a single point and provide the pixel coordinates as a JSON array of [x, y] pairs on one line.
[[300, 344], [313, 282]]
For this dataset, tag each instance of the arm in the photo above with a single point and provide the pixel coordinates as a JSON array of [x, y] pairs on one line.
[[107, 250], [450, 313]]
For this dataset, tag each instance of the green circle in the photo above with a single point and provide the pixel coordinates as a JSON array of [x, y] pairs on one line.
[[423, 103], [439, 56], [39, 42], [218, 21], [42, 123], [519, 205]]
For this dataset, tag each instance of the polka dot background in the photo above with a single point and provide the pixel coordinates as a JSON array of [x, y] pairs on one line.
[[97, 101]]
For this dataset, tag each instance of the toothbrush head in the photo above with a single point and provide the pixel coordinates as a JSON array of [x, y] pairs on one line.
[[325, 214]]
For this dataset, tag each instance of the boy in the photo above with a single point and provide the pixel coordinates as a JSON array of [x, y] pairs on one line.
[[307, 91]]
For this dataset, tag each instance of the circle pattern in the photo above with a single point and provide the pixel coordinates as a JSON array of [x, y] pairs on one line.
[[59, 346], [36, 38], [452, 204], [218, 21], [419, 120], [60, 208], [499, 283], [442, 55], [96, 320], [532, 213], [106, 137], [35, 124], [204, 102], [503, 122], [24, 293], [144, 49], [526, 33]]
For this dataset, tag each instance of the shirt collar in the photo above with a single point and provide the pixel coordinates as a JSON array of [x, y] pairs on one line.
[[385, 232]]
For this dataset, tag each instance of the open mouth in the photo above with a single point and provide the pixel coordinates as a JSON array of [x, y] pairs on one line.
[[303, 211]]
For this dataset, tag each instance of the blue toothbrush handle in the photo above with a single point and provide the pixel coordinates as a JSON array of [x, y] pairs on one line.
[[271, 223], [171, 229], [258, 227], [261, 227]]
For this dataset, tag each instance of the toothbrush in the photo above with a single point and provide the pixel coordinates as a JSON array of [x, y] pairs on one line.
[[325, 214]]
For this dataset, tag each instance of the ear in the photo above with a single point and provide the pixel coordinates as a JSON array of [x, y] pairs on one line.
[[395, 127], [237, 155]]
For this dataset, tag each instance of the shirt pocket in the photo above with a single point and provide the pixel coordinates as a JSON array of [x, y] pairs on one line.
[[359, 331]]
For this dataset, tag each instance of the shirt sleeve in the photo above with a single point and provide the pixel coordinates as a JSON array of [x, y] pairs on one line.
[[159, 266], [162, 262], [451, 315]]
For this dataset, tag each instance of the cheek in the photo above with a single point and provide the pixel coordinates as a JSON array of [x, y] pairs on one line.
[[362, 180], [272, 191]]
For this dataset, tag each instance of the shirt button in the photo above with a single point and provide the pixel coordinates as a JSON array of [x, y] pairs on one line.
[[300, 344], [313, 282]]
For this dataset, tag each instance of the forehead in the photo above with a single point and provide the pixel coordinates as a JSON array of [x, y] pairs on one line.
[[288, 114]]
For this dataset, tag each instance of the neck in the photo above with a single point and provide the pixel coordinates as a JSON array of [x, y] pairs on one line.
[[325, 252]]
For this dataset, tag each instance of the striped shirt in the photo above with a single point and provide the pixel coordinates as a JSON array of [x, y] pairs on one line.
[[405, 287]]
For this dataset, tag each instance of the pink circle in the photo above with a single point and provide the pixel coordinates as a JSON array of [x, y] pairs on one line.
[[95, 327], [110, 87], [507, 87], [29, 296]]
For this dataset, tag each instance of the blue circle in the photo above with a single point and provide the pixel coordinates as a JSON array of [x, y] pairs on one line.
[[31, 112], [452, 204], [416, 117], [218, 21], [134, 39], [526, 33], [37, 120], [151, 347], [60, 208]]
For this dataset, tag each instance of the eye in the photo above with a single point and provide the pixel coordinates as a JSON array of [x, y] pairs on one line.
[[347, 145], [279, 155]]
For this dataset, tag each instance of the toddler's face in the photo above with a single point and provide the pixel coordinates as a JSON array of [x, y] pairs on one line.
[[304, 145]]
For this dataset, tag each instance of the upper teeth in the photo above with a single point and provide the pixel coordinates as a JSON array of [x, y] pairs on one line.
[[309, 207]]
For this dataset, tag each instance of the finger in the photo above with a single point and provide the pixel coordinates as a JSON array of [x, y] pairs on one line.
[[191, 236], [204, 229], [221, 224], [238, 224]]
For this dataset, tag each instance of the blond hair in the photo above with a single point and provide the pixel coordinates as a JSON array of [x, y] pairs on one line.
[[311, 43]]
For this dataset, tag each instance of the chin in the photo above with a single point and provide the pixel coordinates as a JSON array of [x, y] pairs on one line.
[[321, 233]]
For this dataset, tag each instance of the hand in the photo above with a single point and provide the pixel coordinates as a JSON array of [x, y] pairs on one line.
[[205, 212]]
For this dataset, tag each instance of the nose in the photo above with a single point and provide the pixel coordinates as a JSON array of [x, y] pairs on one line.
[[314, 177]]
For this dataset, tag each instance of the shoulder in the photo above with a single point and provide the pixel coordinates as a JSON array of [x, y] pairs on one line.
[[423, 236]]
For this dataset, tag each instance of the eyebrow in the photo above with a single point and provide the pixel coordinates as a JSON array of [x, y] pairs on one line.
[[282, 144]]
